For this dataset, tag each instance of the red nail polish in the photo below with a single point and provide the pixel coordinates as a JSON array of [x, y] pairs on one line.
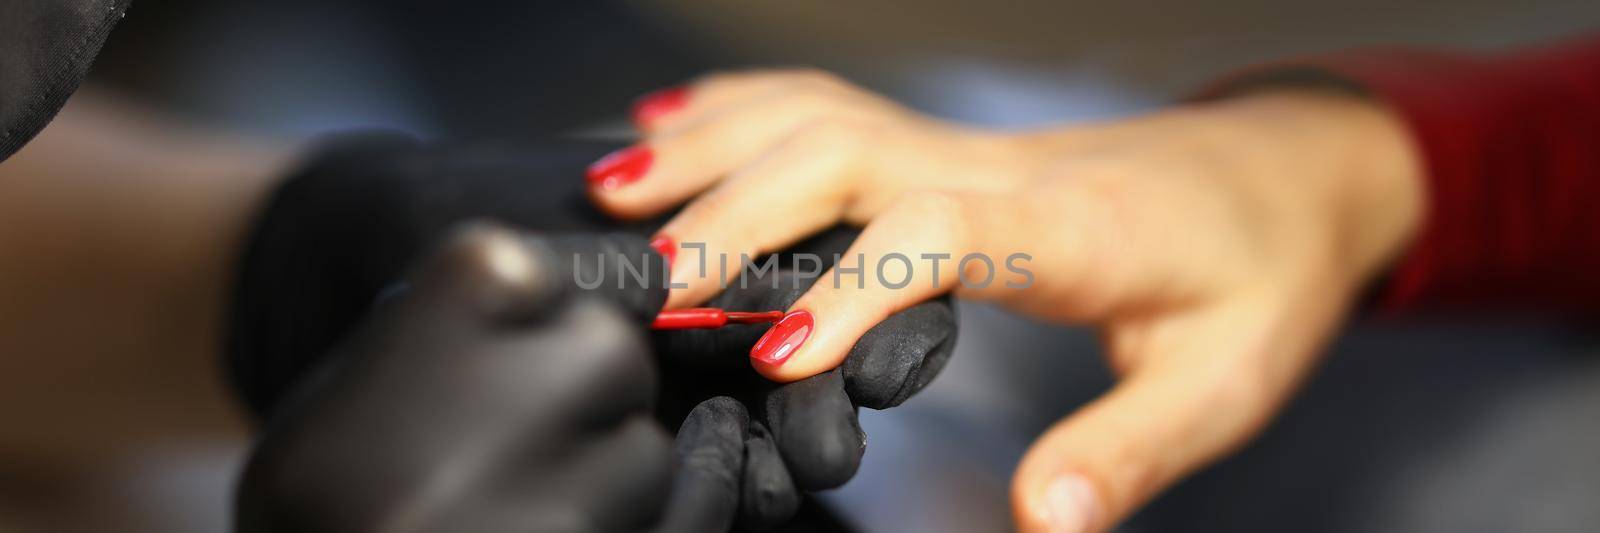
[[663, 245], [620, 167], [783, 339], [651, 107]]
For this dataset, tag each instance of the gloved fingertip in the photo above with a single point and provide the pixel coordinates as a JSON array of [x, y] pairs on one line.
[[769, 496], [900, 355], [485, 267], [816, 430], [710, 456]]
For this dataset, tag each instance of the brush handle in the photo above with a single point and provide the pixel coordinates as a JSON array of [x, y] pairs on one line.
[[710, 318]]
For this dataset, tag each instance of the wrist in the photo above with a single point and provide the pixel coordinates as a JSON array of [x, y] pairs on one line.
[[1348, 152]]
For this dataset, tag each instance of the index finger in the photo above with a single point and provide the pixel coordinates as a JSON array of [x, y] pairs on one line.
[[710, 455], [667, 110]]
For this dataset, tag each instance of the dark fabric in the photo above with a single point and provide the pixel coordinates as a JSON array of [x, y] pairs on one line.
[[46, 47], [1511, 149]]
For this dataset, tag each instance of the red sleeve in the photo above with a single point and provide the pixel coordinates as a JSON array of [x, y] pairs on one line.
[[1511, 147]]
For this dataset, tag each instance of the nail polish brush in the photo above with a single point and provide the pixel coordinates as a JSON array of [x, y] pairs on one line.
[[711, 318]]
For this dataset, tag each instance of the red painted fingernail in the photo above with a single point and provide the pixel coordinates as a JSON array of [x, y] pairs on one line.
[[651, 107], [620, 167], [783, 339], [663, 245]]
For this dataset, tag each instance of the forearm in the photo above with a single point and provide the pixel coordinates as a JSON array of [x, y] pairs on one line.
[[117, 232]]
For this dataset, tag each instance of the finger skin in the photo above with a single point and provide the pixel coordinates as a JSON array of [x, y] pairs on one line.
[[1204, 383], [769, 497], [715, 93], [816, 430], [698, 156], [846, 305], [710, 457], [1010, 264], [799, 188]]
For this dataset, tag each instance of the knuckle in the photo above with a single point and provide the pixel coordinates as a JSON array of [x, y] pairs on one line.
[[931, 204], [704, 212], [486, 254], [833, 134], [792, 77], [943, 215], [724, 78], [817, 77], [806, 102]]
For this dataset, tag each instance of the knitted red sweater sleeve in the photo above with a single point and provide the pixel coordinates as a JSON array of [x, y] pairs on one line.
[[1511, 149]]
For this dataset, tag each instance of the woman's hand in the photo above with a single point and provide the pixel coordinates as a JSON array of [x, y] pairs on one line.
[[1216, 245], [775, 157]]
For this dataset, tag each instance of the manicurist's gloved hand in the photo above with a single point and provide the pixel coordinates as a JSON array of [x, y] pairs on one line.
[[324, 267], [491, 395], [336, 237], [340, 232], [805, 435]]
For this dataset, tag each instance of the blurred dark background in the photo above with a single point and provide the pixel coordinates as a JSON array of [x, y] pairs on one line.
[[1427, 424]]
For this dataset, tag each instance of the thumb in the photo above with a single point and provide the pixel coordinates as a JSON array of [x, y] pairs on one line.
[[1199, 387]]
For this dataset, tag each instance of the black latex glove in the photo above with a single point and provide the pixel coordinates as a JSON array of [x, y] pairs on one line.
[[364, 443], [491, 396], [340, 231], [334, 237], [805, 434]]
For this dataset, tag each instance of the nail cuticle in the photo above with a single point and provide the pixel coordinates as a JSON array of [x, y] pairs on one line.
[[620, 168], [651, 107], [785, 337], [665, 246]]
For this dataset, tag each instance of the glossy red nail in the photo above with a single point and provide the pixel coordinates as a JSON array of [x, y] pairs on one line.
[[620, 167], [666, 247], [783, 339], [651, 107]]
